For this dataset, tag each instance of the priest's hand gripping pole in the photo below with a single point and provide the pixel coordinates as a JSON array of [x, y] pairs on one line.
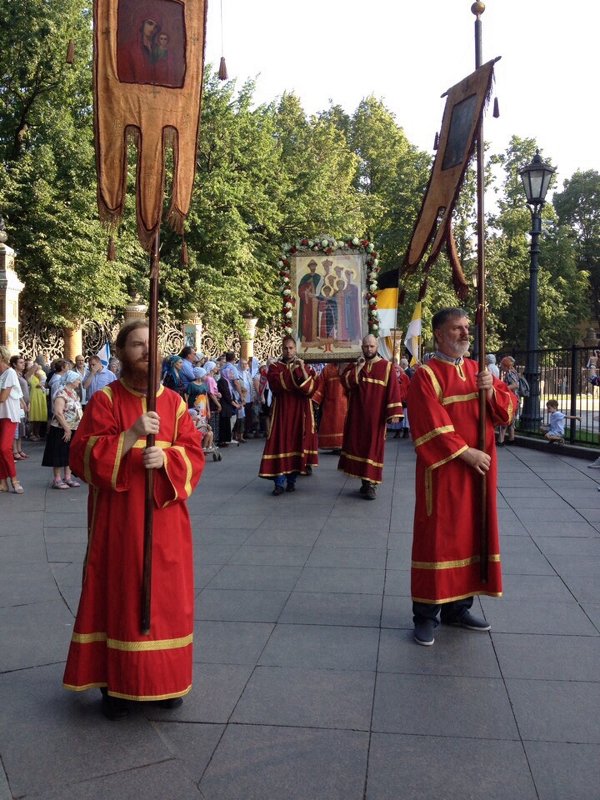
[[478, 9], [150, 439]]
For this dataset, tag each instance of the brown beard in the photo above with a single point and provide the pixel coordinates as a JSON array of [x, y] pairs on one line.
[[135, 373]]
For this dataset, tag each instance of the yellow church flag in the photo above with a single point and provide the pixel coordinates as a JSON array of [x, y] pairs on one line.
[[412, 340], [387, 308]]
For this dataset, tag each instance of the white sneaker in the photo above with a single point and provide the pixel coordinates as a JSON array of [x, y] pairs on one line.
[[595, 464]]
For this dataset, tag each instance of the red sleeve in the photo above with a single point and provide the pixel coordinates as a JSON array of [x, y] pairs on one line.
[[503, 404], [320, 388], [96, 451], [350, 377], [394, 395], [184, 462]]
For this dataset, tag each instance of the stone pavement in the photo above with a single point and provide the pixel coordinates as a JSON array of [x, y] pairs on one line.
[[308, 685]]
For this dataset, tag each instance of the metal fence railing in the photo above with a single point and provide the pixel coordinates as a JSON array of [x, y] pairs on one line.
[[568, 375]]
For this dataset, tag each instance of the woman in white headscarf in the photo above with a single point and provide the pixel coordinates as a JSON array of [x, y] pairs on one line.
[[65, 420]]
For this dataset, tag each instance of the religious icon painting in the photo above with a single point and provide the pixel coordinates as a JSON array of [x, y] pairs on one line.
[[151, 42], [326, 296]]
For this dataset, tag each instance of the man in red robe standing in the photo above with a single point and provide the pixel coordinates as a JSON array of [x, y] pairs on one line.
[[109, 452], [332, 396], [291, 446], [444, 423], [374, 399]]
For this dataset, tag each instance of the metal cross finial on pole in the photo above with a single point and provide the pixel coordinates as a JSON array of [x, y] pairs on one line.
[[478, 9]]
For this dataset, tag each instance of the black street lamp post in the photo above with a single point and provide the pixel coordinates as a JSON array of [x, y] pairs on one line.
[[536, 180]]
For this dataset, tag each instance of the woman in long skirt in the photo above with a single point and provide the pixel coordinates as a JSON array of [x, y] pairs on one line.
[[65, 419]]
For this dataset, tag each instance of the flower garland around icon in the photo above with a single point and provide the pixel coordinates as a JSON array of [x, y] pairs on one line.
[[327, 246]]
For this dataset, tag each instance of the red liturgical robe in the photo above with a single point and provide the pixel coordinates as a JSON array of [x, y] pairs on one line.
[[333, 399], [291, 445], [444, 419], [374, 398], [107, 648]]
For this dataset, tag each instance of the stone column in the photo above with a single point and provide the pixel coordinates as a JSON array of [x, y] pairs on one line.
[[247, 336], [10, 289], [135, 309], [73, 338]]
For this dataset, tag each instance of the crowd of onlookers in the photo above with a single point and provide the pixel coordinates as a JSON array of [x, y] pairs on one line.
[[229, 400]]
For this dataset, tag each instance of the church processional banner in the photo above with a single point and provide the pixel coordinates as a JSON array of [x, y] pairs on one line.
[[328, 294], [148, 60]]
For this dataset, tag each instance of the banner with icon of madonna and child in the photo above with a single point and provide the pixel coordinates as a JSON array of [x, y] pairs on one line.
[[328, 289]]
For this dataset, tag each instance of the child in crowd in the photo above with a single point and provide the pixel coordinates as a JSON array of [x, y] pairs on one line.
[[197, 400], [555, 430]]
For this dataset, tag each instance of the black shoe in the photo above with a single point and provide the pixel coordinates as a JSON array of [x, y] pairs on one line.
[[337, 451], [171, 702], [364, 487], [278, 490], [405, 433], [470, 622], [370, 493], [114, 708], [309, 470], [291, 487], [424, 632]]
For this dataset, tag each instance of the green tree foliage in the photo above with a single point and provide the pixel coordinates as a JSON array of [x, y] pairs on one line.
[[578, 207], [561, 287], [47, 163], [266, 174]]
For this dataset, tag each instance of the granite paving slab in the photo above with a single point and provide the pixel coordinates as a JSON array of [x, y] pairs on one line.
[[430, 705], [564, 770], [585, 588], [323, 555], [536, 616], [215, 693], [240, 605], [341, 579], [73, 741], [307, 698], [321, 647], [164, 779], [264, 762], [250, 576], [332, 608], [230, 642], [401, 766], [549, 657], [556, 711], [456, 652], [34, 634]]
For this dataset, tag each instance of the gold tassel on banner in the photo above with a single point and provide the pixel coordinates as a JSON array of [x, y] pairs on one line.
[[184, 254], [111, 254], [496, 108], [223, 76], [70, 52]]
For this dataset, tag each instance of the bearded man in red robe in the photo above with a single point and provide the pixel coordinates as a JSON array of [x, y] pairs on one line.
[[444, 423], [291, 446], [374, 399], [109, 452]]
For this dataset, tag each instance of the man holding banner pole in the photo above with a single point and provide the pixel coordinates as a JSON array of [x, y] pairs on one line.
[[444, 402]]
